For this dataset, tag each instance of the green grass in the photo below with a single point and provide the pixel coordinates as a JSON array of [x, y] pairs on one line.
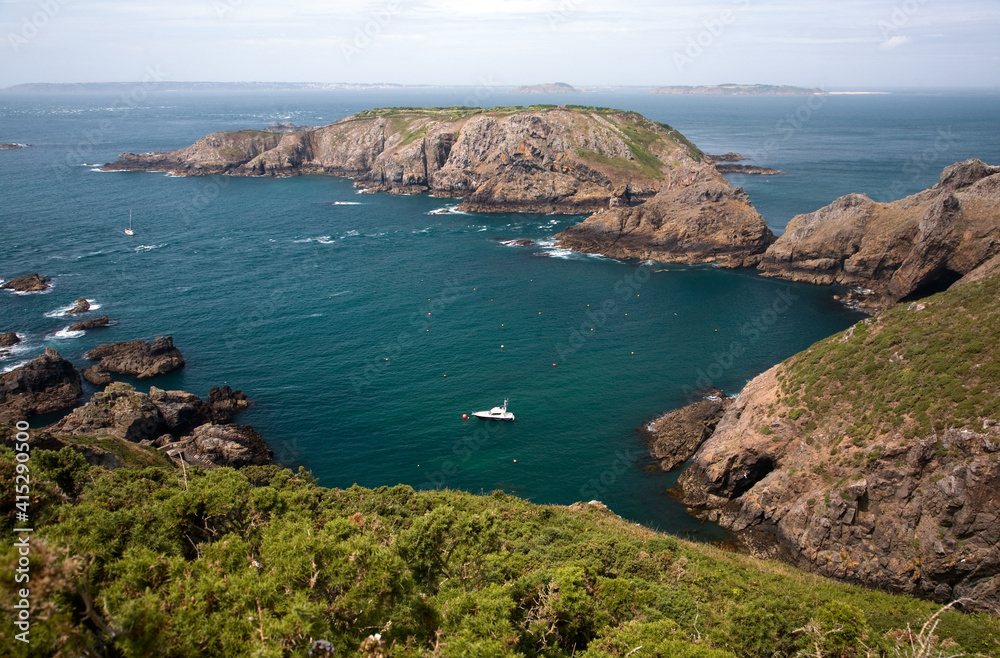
[[907, 370], [263, 561]]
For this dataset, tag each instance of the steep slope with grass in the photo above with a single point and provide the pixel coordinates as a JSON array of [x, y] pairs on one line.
[[873, 455], [262, 562]]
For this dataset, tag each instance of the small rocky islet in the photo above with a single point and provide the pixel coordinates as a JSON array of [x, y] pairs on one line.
[[756, 465]]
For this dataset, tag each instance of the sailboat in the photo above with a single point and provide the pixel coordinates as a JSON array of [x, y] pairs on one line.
[[129, 231]]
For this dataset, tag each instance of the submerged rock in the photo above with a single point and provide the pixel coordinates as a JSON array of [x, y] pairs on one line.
[[46, 384], [138, 358], [28, 283]]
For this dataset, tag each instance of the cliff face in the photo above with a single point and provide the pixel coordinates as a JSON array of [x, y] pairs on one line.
[[696, 217], [904, 249], [507, 159], [873, 456]]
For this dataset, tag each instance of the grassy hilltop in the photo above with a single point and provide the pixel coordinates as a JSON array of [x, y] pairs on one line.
[[263, 562]]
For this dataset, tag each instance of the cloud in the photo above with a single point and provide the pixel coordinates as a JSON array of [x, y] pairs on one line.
[[894, 42]]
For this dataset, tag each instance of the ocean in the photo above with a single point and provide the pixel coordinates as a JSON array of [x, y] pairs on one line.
[[364, 326]]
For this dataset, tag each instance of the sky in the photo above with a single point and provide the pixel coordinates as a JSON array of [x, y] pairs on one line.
[[848, 44]]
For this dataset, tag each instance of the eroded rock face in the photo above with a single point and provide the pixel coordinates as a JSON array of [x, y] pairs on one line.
[[9, 339], [46, 384], [563, 161], [119, 410], [138, 358], [908, 248], [28, 283], [223, 445], [222, 404]]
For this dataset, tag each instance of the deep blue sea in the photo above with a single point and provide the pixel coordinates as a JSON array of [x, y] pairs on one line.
[[364, 326]]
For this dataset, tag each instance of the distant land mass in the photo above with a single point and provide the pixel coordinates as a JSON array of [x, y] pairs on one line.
[[547, 88], [730, 89]]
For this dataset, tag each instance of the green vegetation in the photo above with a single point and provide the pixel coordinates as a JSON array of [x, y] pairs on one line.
[[262, 562], [696, 153], [912, 370]]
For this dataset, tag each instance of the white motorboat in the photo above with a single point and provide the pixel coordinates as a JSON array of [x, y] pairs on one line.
[[496, 413]]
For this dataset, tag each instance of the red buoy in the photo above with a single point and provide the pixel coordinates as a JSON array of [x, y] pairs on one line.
[[465, 416]]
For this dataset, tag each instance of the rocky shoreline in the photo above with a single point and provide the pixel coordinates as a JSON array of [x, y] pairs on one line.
[[178, 424]]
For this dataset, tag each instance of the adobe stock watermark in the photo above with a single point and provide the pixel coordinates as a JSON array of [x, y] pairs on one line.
[[786, 127], [23, 530], [462, 451], [92, 138], [31, 26], [487, 87], [901, 16], [225, 7], [365, 35], [597, 317], [420, 322], [563, 13], [750, 333], [706, 38], [917, 165]]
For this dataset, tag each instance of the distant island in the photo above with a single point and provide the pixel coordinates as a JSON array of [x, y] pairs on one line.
[[547, 88], [730, 89]]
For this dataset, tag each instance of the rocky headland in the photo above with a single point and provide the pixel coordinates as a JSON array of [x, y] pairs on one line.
[[46, 384], [28, 283], [871, 457], [137, 358], [899, 250], [677, 435]]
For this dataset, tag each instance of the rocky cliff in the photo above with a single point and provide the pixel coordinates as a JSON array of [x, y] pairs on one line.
[[542, 159], [43, 385], [873, 456], [900, 250], [695, 217]]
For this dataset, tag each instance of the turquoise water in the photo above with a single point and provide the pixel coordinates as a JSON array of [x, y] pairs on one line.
[[364, 326]]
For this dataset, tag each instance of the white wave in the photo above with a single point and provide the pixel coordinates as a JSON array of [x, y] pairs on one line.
[[349, 234], [64, 310], [565, 254], [146, 248], [15, 366], [342, 292], [325, 240], [448, 210], [65, 333], [347, 203], [423, 231], [89, 255], [316, 315]]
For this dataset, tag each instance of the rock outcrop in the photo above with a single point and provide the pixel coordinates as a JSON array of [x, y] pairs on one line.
[[538, 160], [206, 437], [28, 283], [43, 385], [676, 436], [9, 339], [82, 306], [694, 218], [138, 358], [94, 323], [873, 456], [900, 250], [750, 170]]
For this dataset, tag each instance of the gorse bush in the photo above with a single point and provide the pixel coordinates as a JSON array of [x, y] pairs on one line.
[[263, 562]]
